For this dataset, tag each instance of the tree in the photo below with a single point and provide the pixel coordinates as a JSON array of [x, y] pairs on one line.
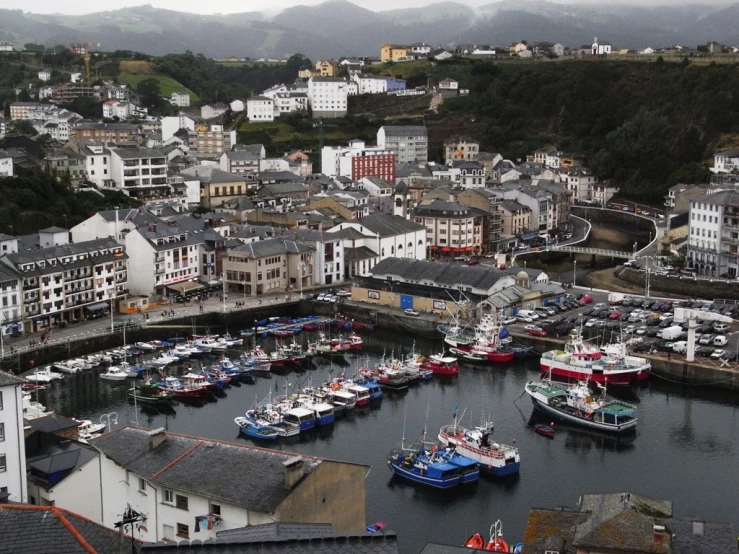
[[33, 47], [150, 92], [21, 127]]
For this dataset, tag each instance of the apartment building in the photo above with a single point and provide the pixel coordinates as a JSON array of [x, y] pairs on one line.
[[290, 102], [327, 97], [357, 160], [489, 202], [107, 132], [11, 301], [460, 148], [6, 164], [516, 218], [13, 477], [180, 99], [66, 282], [61, 162], [210, 141], [368, 83], [409, 143], [451, 228], [260, 109], [471, 174], [713, 234], [96, 161], [29, 110], [272, 265], [217, 186], [139, 172]]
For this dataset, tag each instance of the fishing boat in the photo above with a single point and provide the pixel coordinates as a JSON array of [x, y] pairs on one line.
[[250, 429], [33, 409], [494, 544], [44, 375], [441, 365], [414, 465], [372, 386], [489, 340], [361, 393], [145, 346], [324, 412], [324, 347], [149, 393], [582, 361], [66, 367], [232, 341], [303, 418], [576, 404], [495, 459], [472, 356], [457, 336], [341, 400], [88, 427], [544, 430], [268, 417], [115, 373], [469, 469], [175, 386]]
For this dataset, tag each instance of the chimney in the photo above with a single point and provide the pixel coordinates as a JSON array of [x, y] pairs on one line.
[[659, 534], [157, 437], [294, 470]]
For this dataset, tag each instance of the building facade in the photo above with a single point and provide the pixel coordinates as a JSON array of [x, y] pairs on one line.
[[357, 160], [327, 97], [408, 143], [461, 148], [210, 141], [451, 228], [713, 236], [260, 109], [13, 480]]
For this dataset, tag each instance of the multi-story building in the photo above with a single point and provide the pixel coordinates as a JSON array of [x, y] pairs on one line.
[[108, 132], [368, 83], [170, 482], [357, 160], [3, 126], [139, 172], [580, 183], [549, 203], [6, 164], [165, 259], [516, 218], [327, 68], [260, 108], [64, 162], [115, 224], [489, 202], [327, 97], [11, 304], [217, 186], [29, 110], [713, 236], [13, 478], [97, 161], [471, 174], [209, 111], [290, 102], [461, 148], [451, 228], [394, 52], [172, 124], [267, 266], [726, 161], [65, 282], [408, 143], [180, 99], [210, 141]]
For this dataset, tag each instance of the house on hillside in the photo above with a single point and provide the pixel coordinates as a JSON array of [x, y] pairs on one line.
[[441, 54], [448, 84], [209, 111]]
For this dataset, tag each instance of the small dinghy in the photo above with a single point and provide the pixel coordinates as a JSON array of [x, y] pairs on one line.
[[544, 430], [375, 527]]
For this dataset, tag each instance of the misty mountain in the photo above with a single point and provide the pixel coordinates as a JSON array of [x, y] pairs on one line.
[[338, 27]]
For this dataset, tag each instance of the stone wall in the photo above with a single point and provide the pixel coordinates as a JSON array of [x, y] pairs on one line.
[[682, 288]]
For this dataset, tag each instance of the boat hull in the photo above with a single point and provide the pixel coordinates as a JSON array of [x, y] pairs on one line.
[[583, 374], [413, 477], [496, 466], [559, 415]]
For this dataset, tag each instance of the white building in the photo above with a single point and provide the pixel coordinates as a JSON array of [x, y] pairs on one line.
[[6, 164], [11, 293], [600, 48], [368, 83], [327, 97], [139, 172], [180, 99], [245, 160], [115, 224], [172, 124], [713, 234], [376, 237], [471, 174], [210, 111], [451, 228], [260, 108], [163, 256], [13, 481], [169, 478], [290, 102], [580, 183], [448, 84], [726, 161], [410, 143], [6, 46], [237, 106], [44, 75]]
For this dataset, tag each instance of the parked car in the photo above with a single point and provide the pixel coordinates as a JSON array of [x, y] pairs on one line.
[[706, 339], [410, 312], [321, 297], [601, 306], [719, 354], [720, 340], [521, 318], [472, 261], [585, 298], [343, 292], [537, 332], [721, 327], [530, 327], [461, 258], [614, 315], [591, 322], [508, 320], [641, 330]]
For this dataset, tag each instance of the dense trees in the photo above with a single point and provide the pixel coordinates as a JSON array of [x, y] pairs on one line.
[[646, 125], [200, 75]]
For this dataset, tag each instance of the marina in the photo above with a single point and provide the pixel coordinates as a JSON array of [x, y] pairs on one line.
[[688, 429]]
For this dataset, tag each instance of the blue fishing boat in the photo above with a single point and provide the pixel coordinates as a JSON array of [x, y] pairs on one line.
[[469, 469], [408, 465], [255, 431], [305, 419], [268, 417], [324, 412], [375, 391]]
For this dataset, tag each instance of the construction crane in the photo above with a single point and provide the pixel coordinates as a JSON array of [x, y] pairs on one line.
[[87, 63], [691, 316], [321, 126]]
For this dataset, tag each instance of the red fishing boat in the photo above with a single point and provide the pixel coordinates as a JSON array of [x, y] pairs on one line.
[[441, 365]]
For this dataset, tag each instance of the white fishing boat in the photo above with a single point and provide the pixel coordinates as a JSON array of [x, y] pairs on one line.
[[66, 367], [44, 375], [33, 409], [115, 373], [145, 346]]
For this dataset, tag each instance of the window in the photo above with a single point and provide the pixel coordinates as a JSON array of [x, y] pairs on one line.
[[181, 502], [142, 485], [215, 509], [3, 466], [2, 432], [1, 400], [183, 531], [167, 532]]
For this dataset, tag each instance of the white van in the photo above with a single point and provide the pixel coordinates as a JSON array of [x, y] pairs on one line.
[[529, 313]]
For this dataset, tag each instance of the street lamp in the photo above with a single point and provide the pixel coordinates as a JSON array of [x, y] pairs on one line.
[[635, 246], [112, 304], [574, 274], [243, 284], [301, 267]]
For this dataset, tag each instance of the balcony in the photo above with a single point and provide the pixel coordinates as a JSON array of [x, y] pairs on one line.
[[730, 240], [730, 253]]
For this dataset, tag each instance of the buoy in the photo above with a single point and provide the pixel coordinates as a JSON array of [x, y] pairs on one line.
[[551, 424], [514, 441]]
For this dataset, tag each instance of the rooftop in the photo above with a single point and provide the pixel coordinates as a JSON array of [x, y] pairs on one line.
[[9, 380], [386, 225], [272, 247], [403, 130]]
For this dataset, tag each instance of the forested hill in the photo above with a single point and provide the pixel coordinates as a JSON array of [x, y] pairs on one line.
[[646, 125]]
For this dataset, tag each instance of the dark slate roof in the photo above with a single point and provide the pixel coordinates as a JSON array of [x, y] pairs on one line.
[[137, 153], [280, 530], [435, 548], [53, 455], [386, 225], [725, 197], [285, 188], [405, 130], [358, 254], [210, 174], [551, 530], [439, 274], [349, 233], [692, 536], [9, 380], [54, 230], [277, 176], [513, 205], [25, 528], [386, 543], [52, 423], [272, 247], [205, 467], [442, 208]]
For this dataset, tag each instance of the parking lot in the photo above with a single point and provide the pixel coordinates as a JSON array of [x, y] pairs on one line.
[[645, 325]]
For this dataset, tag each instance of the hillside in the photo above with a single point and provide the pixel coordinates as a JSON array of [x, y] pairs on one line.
[[133, 72], [338, 27]]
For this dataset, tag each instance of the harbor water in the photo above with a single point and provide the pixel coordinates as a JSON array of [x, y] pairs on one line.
[[685, 448]]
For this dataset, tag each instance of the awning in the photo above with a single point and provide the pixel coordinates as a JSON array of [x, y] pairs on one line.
[[97, 306], [529, 236], [184, 287]]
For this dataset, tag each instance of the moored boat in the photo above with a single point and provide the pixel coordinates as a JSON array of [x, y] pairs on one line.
[[415, 466], [494, 544], [441, 365], [149, 393], [576, 404], [544, 430], [255, 431]]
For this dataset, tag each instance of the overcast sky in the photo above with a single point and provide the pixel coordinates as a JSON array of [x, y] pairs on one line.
[[236, 6]]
